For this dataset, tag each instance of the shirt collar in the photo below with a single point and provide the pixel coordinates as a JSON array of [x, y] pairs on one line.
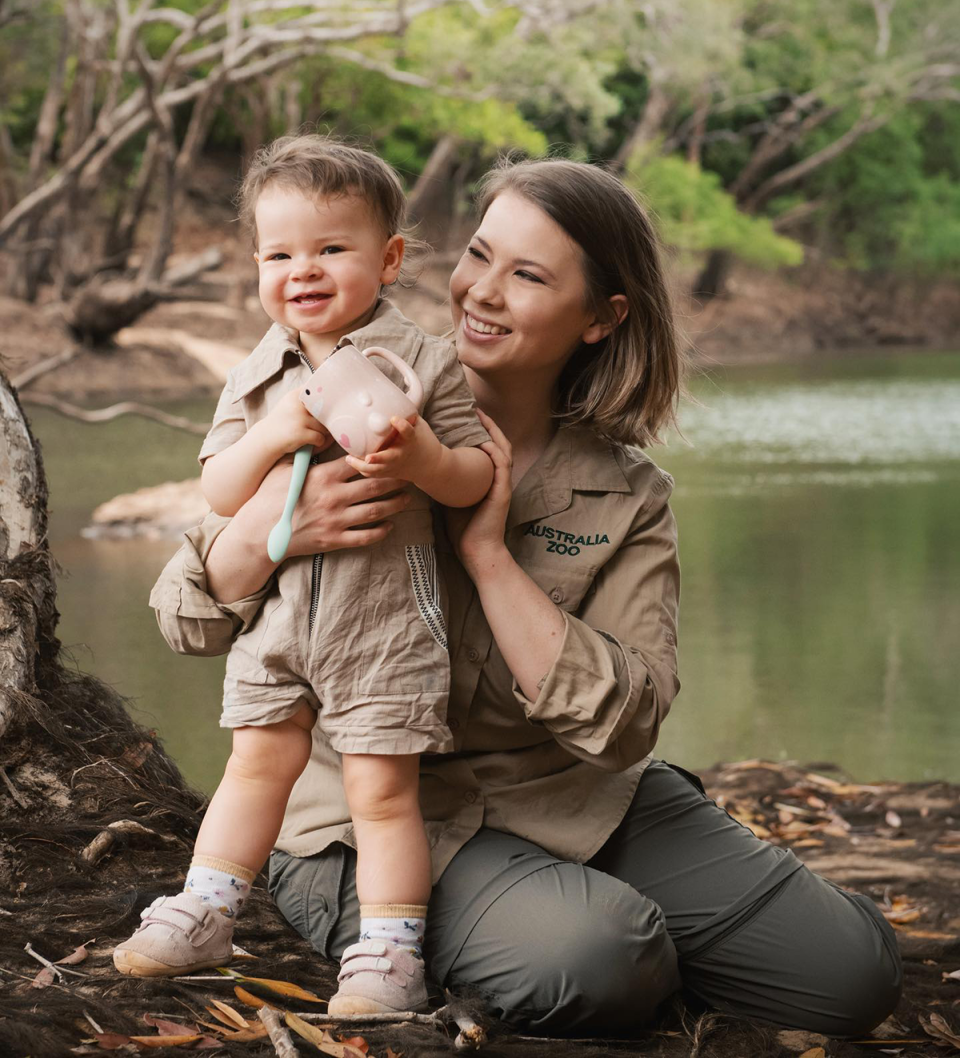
[[576, 459], [388, 327]]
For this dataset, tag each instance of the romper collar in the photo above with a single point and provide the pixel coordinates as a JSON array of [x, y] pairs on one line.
[[387, 327]]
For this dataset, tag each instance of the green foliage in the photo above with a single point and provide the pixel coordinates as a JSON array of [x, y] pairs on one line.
[[892, 201], [693, 212]]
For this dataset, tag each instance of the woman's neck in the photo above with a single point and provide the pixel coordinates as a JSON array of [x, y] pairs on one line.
[[523, 412]]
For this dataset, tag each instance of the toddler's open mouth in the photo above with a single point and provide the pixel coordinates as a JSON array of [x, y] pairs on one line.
[[310, 299]]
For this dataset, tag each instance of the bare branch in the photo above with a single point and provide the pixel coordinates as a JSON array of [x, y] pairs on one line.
[[44, 367], [127, 407], [404, 76], [882, 9], [46, 134], [793, 173]]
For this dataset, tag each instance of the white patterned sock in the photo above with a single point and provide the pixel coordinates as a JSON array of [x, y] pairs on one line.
[[219, 882], [400, 924]]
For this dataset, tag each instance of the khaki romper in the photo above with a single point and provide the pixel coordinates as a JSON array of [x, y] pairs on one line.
[[357, 634]]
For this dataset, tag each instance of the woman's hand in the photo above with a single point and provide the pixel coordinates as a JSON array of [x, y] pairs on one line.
[[477, 533], [328, 517], [334, 505]]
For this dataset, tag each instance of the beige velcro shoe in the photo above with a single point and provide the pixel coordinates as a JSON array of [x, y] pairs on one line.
[[177, 934], [377, 977]]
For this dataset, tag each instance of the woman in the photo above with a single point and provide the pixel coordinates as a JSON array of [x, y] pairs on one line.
[[577, 881]]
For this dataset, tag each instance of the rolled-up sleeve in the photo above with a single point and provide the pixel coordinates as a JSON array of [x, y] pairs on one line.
[[615, 676], [190, 619]]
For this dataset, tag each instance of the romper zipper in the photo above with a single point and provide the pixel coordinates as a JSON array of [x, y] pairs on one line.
[[317, 559]]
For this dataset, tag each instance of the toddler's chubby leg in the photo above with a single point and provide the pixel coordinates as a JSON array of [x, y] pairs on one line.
[[195, 929], [384, 971]]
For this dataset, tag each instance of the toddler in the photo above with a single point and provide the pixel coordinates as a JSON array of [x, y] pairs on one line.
[[354, 640]]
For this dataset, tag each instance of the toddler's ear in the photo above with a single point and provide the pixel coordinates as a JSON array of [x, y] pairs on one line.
[[392, 259]]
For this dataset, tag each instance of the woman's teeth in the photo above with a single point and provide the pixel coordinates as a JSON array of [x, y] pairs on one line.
[[484, 328]]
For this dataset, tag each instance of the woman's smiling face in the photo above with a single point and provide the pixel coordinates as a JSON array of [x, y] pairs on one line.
[[518, 295]]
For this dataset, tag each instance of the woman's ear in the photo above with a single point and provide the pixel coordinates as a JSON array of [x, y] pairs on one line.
[[392, 259], [616, 309]]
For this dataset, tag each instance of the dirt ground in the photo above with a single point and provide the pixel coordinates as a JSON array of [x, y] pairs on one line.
[[80, 764]]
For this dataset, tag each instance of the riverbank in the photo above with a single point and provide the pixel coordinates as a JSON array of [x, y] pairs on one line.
[[897, 843], [183, 349]]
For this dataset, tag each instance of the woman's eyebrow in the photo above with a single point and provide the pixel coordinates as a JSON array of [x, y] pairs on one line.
[[522, 261]]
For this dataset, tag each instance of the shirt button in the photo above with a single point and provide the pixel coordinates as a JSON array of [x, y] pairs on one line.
[[453, 723], [470, 797], [557, 595], [473, 654]]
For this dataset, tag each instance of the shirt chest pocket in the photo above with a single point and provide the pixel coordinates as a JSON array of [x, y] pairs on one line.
[[565, 586]]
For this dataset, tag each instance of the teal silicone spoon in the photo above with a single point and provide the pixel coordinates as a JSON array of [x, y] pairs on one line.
[[279, 539]]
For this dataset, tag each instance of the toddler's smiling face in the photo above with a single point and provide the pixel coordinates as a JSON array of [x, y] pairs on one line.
[[322, 262]]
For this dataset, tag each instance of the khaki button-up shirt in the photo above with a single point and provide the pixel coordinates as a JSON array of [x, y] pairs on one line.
[[590, 524]]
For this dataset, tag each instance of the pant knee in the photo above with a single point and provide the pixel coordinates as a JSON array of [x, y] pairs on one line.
[[870, 984], [566, 956]]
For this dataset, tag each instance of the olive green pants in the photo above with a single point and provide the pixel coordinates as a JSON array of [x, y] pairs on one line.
[[680, 896]]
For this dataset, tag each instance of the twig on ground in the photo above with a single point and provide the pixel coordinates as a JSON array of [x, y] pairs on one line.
[[279, 1035], [106, 839], [58, 970], [471, 1035], [96, 1027], [14, 792], [127, 407], [44, 367], [701, 1030]]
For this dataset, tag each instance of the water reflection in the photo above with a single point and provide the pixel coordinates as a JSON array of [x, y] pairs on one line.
[[817, 507]]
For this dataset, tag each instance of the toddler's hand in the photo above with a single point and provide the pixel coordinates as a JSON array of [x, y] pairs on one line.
[[290, 426], [412, 454]]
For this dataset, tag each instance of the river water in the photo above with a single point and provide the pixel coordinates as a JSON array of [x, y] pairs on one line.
[[818, 505]]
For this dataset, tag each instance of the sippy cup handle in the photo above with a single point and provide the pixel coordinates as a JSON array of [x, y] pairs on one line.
[[414, 386]]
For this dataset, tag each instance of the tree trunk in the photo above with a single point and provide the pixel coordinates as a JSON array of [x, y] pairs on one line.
[[712, 281], [647, 128], [27, 593]]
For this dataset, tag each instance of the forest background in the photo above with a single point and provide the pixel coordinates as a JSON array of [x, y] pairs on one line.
[[790, 136]]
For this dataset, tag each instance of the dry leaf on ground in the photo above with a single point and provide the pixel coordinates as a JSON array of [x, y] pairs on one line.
[[164, 1041], [814, 1052], [256, 1032], [250, 999], [225, 1013], [939, 1028], [112, 1041], [954, 975], [356, 1041], [391, 1053], [323, 1040], [304, 1029], [281, 988], [169, 1028], [76, 956]]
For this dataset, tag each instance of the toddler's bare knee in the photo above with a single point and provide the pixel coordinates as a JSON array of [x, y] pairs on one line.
[[274, 753], [380, 788]]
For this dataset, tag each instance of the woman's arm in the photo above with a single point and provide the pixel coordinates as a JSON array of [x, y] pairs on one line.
[[601, 681], [214, 585]]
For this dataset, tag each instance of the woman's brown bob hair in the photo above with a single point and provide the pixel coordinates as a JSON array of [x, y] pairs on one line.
[[627, 385], [317, 166]]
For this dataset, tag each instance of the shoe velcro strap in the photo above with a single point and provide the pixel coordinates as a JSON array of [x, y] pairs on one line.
[[164, 912], [365, 947], [361, 963]]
